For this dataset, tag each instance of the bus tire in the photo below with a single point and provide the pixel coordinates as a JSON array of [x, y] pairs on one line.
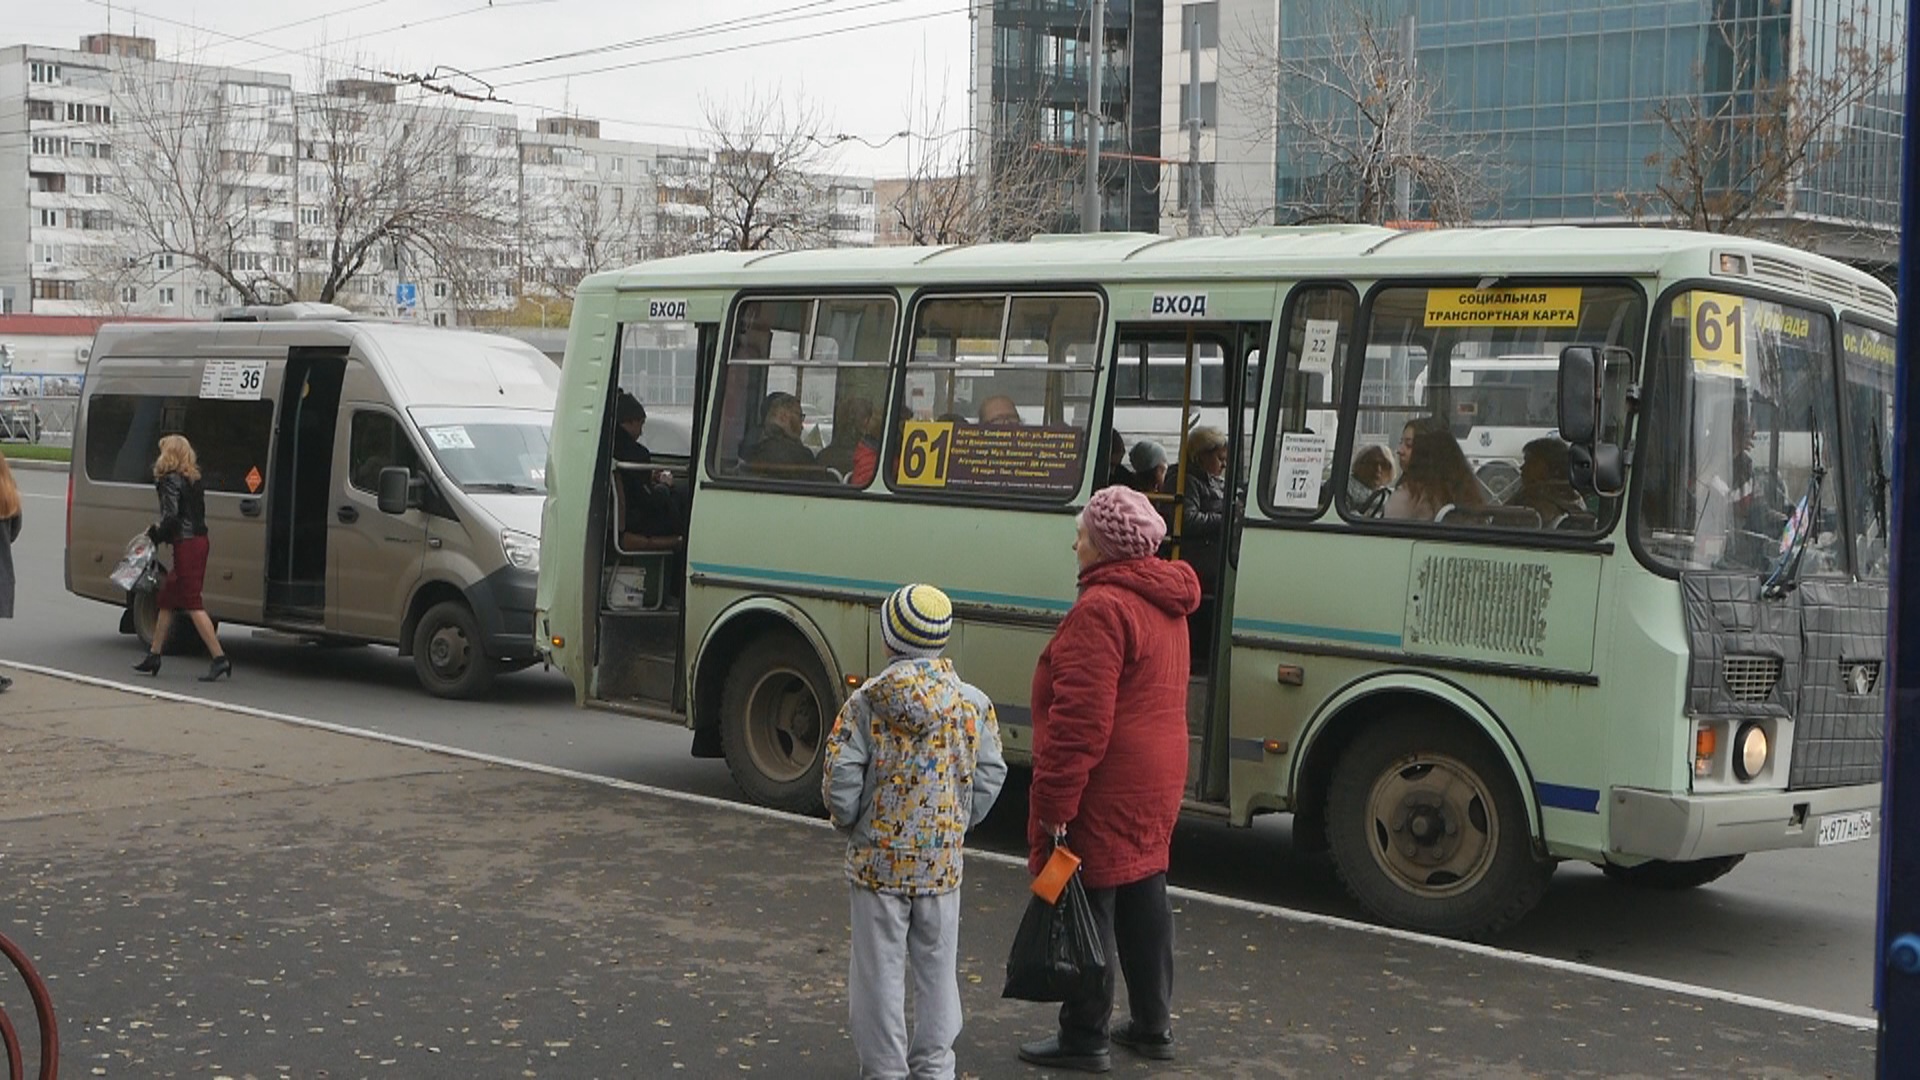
[[1661, 874], [1428, 831], [775, 711], [447, 652]]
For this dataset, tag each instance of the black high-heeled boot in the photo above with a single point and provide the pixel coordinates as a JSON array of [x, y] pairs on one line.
[[221, 666], [150, 665]]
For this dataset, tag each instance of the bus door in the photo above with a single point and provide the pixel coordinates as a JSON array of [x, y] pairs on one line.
[[643, 509], [300, 495], [1192, 387]]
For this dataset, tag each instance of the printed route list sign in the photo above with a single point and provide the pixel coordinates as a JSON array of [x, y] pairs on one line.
[[944, 454]]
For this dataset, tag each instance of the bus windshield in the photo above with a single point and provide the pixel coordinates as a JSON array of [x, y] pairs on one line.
[[489, 449], [1868, 356], [1741, 415]]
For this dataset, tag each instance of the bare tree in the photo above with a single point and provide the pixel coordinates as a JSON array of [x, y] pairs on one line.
[[1731, 157], [576, 231], [767, 183], [202, 174], [404, 185], [1357, 122], [949, 199]]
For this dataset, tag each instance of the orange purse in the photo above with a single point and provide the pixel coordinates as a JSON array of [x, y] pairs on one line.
[[1052, 879]]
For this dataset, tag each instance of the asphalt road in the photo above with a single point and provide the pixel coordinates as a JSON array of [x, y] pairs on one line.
[[1795, 926]]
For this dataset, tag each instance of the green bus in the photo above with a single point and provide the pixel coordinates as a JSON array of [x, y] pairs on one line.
[[1655, 647]]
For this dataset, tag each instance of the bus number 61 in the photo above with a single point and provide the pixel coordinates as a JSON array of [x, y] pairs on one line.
[[923, 454]]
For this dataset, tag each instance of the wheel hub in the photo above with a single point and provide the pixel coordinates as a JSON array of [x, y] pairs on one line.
[[1432, 828]]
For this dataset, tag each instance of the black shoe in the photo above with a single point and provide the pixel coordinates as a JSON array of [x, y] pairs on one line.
[[1050, 1053], [220, 666], [5, 684], [1158, 1047], [150, 665]]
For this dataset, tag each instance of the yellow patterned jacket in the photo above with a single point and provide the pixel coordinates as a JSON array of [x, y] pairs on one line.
[[913, 762]]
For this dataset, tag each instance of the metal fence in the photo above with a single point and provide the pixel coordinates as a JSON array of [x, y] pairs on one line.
[[39, 408]]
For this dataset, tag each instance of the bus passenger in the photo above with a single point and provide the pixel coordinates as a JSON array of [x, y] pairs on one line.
[[650, 518], [857, 415], [999, 411], [778, 451], [1370, 480], [1203, 528], [1544, 485], [1118, 474], [912, 763], [1436, 476], [866, 453], [1110, 766], [1149, 461]]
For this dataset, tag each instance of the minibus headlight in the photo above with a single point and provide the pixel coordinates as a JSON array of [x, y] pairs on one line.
[[523, 551]]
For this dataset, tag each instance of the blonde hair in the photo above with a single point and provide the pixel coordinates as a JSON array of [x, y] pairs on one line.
[[1204, 439], [9, 492], [176, 456]]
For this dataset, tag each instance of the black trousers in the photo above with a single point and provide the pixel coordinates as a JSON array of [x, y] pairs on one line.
[[1136, 925]]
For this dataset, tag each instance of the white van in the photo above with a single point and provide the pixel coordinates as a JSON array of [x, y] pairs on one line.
[[365, 481]]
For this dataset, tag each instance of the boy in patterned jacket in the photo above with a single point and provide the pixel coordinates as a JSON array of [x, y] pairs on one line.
[[913, 762]]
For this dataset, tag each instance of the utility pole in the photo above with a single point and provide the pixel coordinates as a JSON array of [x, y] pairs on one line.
[[1090, 214], [1193, 120], [1403, 137]]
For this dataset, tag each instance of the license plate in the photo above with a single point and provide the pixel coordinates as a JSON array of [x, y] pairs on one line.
[[1840, 828]]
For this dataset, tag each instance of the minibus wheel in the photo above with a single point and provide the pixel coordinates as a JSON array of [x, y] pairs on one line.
[[447, 652], [1660, 874], [775, 712], [1428, 831]]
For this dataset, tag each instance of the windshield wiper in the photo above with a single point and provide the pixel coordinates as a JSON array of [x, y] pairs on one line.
[[1801, 526], [1881, 482], [504, 487]]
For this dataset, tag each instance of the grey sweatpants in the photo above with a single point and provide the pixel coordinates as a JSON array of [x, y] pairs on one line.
[[892, 936]]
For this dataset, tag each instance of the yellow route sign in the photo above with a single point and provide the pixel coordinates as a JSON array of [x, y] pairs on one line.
[[1716, 332], [1521, 306]]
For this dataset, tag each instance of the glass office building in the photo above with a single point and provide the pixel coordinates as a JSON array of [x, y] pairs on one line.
[[1033, 60], [1560, 100]]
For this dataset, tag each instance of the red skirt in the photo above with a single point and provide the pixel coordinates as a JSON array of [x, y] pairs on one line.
[[181, 590]]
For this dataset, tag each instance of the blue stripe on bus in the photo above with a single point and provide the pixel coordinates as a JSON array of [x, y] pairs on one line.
[[1561, 797], [1325, 633], [880, 588]]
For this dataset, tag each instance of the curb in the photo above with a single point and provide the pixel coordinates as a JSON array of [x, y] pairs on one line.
[[34, 464]]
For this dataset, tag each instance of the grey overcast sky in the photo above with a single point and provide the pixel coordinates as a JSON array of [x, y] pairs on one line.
[[641, 67]]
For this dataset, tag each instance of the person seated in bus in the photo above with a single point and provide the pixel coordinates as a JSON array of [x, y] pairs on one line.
[[1000, 411], [1118, 474], [1544, 485], [1203, 528], [778, 451], [866, 452], [1436, 476], [1148, 468], [849, 428], [1370, 481], [650, 519]]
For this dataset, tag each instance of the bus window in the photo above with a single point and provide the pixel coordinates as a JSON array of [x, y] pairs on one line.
[[998, 395], [1461, 384], [1743, 429], [1319, 330], [804, 388], [658, 365]]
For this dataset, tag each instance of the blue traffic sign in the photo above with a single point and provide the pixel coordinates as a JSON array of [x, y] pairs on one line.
[[406, 295]]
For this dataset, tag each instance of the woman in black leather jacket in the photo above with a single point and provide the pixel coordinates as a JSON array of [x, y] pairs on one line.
[[183, 523]]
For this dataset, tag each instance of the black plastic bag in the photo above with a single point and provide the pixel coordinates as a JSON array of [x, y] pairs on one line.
[[1056, 953]]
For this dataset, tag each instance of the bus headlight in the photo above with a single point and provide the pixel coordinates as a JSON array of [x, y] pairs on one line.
[[522, 551], [1749, 751]]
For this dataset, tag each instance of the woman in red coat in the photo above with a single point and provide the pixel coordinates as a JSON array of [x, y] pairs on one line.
[[1110, 767]]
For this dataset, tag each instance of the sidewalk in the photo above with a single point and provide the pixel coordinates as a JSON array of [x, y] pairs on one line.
[[216, 893]]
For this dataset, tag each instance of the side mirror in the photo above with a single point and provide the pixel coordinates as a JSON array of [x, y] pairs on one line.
[[396, 490], [1579, 394]]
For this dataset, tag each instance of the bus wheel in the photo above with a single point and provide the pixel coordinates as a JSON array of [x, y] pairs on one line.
[[775, 712], [447, 654], [1428, 831], [1660, 874]]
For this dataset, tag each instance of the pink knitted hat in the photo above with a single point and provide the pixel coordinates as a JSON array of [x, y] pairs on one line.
[[1123, 524]]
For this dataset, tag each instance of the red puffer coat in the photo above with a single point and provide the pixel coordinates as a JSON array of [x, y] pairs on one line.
[[1110, 721]]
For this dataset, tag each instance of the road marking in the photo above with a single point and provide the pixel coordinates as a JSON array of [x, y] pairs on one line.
[[1307, 918]]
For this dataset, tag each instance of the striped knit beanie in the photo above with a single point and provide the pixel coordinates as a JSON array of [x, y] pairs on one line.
[[915, 621]]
